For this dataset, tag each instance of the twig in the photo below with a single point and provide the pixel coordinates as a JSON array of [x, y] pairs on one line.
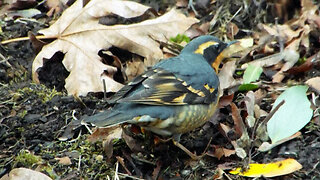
[[79, 163], [234, 15], [273, 111], [73, 116], [120, 160], [104, 89], [27, 38], [256, 126], [215, 17], [190, 5], [4, 60], [116, 177]]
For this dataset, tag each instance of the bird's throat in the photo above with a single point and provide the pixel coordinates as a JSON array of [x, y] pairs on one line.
[[216, 63]]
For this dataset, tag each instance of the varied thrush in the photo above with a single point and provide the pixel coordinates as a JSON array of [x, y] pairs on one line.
[[175, 96]]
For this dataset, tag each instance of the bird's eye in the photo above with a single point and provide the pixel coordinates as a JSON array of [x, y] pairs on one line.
[[217, 46]]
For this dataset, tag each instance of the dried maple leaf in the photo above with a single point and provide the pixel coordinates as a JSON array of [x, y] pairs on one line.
[[80, 37]]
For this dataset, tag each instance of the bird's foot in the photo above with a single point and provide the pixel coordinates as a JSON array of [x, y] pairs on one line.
[[192, 155]]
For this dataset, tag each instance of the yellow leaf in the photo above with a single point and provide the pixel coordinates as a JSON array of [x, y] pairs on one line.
[[278, 168]]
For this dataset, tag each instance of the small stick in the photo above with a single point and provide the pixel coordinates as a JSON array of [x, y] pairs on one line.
[[264, 121], [104, 90]]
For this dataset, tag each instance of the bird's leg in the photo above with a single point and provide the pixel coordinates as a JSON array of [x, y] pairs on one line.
[[176, 139]]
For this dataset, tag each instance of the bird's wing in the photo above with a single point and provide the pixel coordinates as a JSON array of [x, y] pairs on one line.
[[161, 87]]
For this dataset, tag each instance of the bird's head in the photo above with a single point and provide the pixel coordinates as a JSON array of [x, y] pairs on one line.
[[210, 47]]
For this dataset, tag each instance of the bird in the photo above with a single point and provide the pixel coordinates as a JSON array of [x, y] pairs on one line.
[[175, 96]]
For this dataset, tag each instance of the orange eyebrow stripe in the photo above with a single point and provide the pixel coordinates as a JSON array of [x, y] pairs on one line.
[[204, 46]]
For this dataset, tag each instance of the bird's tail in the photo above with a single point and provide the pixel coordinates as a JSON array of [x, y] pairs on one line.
[[107, 118]]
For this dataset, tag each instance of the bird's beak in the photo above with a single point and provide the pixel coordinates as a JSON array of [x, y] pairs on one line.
[[225, 53], [232, 49]]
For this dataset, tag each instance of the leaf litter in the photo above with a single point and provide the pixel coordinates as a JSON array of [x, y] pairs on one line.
[[80, 36]]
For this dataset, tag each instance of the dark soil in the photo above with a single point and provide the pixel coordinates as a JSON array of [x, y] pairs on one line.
[[33, 117]]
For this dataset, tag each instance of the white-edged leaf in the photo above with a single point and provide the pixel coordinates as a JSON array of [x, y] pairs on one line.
[[292, 116]]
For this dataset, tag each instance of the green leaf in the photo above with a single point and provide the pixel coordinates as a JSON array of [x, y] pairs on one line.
[[251, 74], [292, 116], [239, 73], [247, 87], [180, 38]]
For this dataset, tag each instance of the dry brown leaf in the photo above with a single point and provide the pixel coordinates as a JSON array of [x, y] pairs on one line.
[[294, 34], [64, 160], [101, 134], [182, 3], [226, 75], [224, 130], [265, 61], [220, 151], [55, 6], [80, 37], [314, 83], [309, 12], [23, 4], [225, 100], [237, 119], [108, 144], [306, 66], [134, 68], [132, 143], [194, 31], [106, 135], [232, 30], [283, 31], [291, 56]]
